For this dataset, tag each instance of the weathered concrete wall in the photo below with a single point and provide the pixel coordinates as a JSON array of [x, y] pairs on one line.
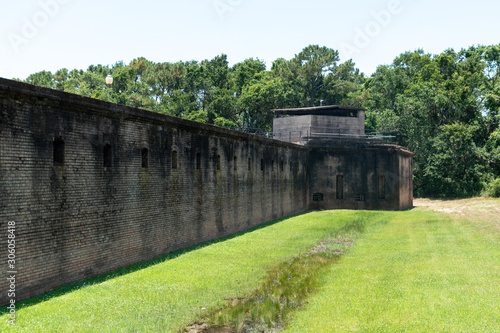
[[292, 129], [341, 125], [117, 199], [359, 175], [298, 129], [405, 181]]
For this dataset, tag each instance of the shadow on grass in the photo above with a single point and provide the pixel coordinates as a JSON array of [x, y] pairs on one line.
[[68, 288]]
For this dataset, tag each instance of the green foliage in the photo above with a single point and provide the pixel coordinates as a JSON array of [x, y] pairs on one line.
[[199, 116], [343, 86], [442, 107], [492, 147], [246, 71], [260, 97], [493, 189], [222, 105], [370, 121], [456, 166], [309, 67], [43, 79], [223, 122]]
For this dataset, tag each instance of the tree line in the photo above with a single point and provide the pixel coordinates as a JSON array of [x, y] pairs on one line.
[[443, 107]]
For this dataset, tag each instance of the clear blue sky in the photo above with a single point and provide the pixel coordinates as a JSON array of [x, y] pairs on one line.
[[40, 35]]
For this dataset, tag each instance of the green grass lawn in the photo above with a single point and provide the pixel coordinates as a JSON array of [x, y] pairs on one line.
[[415, 271], [170, 292], [421, 272]]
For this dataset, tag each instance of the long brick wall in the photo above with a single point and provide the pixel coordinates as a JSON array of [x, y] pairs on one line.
[[94, 186]]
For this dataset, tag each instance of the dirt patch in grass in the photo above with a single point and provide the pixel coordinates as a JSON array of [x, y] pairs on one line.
[[484, 212], [203, 327], [336, 246]]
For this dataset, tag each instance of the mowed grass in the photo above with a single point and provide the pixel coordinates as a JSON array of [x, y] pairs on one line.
[[423, 271], [169, 293], [415, 271], [286, 288]]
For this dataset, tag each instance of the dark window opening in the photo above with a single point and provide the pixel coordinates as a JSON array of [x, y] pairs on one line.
[[381, 187], [360, 197], [272, 165], [291, 167], [261, 164], [198, 161], [174, 159], [282, 165], [340, 187], [249, 164], [145, 158], [58, 148], [218, 162], [235, 163], [318, 197], [107, 156]]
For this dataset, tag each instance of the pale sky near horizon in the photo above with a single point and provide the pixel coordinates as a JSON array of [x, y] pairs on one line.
[[38, 35]]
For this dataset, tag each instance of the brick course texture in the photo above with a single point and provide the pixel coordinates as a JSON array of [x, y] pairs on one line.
[[95, 186]]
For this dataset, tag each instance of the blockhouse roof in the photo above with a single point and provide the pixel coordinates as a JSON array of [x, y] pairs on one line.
[[329, 110]]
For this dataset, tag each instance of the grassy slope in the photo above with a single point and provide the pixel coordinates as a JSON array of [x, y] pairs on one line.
[[417, 271], [422, 271], [167, 295]]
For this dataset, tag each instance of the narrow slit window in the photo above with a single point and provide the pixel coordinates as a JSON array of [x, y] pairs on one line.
[[340, 187], [272, 165], [174, 159], [381, 187], [145, 158], [282, 165], [198, 161], [249, 164], [261, 164], [218, 162], [107, 156], [58, 148], [235, 163]]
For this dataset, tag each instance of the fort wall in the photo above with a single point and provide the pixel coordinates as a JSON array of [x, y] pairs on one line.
[[94, 186], [359, 174]]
